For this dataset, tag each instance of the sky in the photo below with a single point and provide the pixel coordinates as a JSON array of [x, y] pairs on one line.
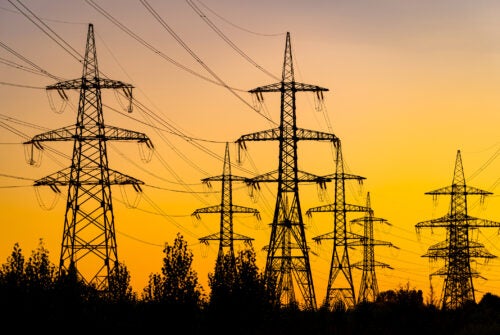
[[410, 83]]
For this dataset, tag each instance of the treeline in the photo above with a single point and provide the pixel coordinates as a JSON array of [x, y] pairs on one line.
[[34, 296]]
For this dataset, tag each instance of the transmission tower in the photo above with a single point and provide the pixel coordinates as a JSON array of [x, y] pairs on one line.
[[88, 241], [340, 289], [287, 264], [226, 236], [368, 290], [458, 249]]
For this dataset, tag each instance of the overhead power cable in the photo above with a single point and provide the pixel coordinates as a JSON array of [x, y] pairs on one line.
[[198, 59], [235, 25], [18, 55], [145, 43], [60, 41], [23, 86], [226, 39]]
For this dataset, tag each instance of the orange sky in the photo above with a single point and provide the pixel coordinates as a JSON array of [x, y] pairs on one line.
[[410, 84]]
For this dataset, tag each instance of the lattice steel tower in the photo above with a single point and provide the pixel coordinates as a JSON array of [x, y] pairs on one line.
[[287, 264], [340, 290], [88, 241], [226, 236], [368, 290], [458, 249]]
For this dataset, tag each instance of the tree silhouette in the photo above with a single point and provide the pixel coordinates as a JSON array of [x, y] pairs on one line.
[[120, 289], [40, 273], [178, 282]]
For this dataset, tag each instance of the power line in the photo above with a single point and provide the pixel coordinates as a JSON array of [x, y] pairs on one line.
[[45, 19], [145, 43], [18, 55], [60, 41], [198, 59], [20, 85], [235, 25], [226, 39]]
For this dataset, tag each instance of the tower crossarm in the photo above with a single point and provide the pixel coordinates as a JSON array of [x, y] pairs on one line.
[[445, 272], [273, 177], [331, 208], [61, 134], [438, 250], [345, 176], [477, 250], [296, 86], [87, 83], [110, 134], [450, 220], [264, 135], [119, 134], [364, 266], [217, 237], [481, 223], [219, 209], [207, 210], [363, 241], [274, 134], [364, 219], [313, 135], [326, 236], [442, 250], [352, 238], [223, 178], [459, 189], [63, 177]]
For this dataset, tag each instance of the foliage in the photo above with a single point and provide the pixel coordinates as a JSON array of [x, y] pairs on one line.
[[178, 282], [238, 282], [120, 289], [34, 297]]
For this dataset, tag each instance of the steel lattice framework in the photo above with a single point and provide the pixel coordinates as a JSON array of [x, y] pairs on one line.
[[368, 290], [88, 241], [226, 236], [458, 249], [340, 290], [287, 264]]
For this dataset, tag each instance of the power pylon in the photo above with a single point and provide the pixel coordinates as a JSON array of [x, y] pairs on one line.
[[368, 290], [287, 264], [89, 241], [340, 290], [226, 236], [458, 249]]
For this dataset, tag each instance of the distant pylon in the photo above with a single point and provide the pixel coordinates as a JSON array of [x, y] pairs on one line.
[[89, 241], [368, 290], [458, 249], [287, 265], [226, 236], [340, 290]]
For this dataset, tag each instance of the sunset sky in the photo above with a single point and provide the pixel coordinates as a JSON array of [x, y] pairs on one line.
[[410, 83]]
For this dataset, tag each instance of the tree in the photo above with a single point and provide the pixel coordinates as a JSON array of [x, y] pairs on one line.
[[178, 282], [252, 291], [238, 284], [12, 272], [120, 289], [223, 283], [40, 273]]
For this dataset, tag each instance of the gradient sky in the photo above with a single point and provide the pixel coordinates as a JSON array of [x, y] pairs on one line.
[[411, 82]]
